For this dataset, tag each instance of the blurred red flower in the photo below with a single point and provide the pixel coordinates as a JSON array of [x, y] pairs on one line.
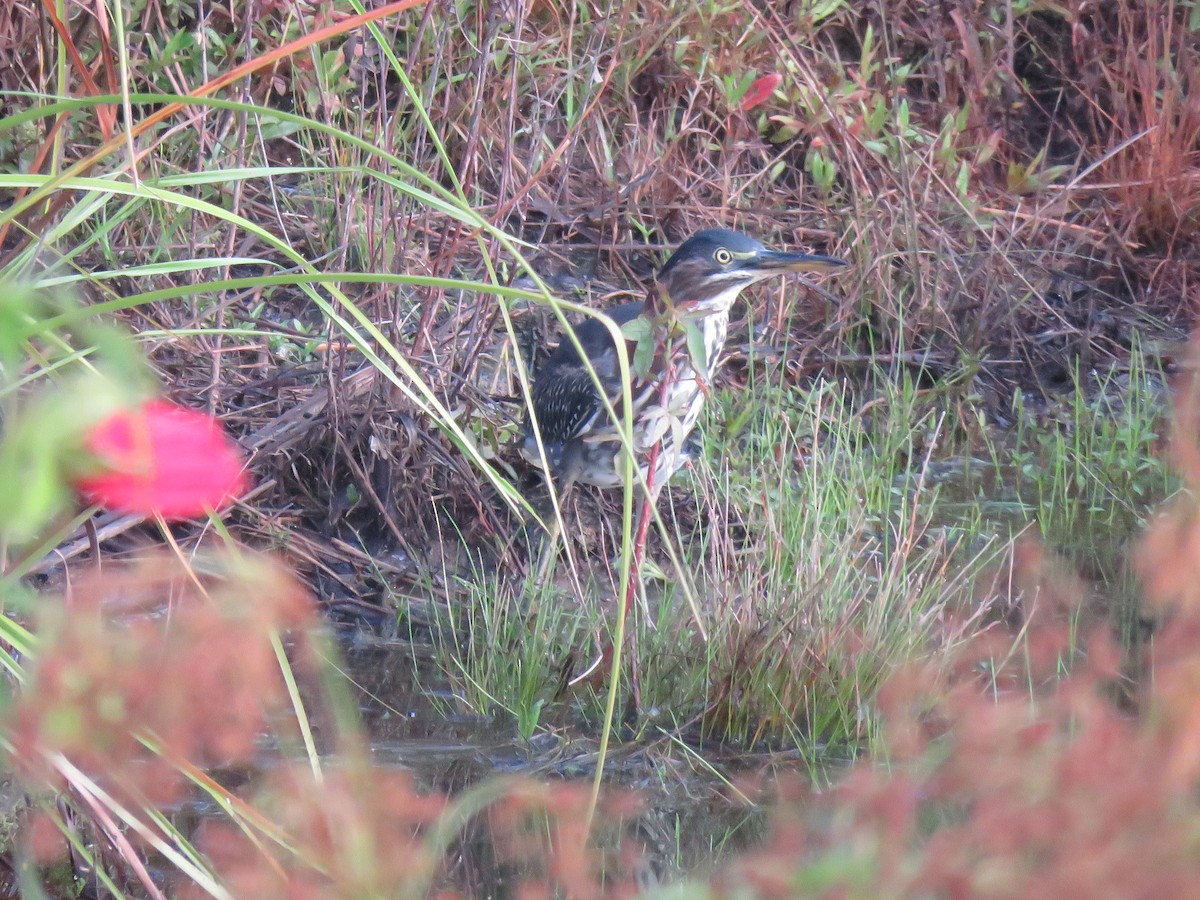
[[760, 90], [162, 459]]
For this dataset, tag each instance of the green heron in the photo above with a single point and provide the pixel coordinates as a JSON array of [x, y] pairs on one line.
[[699, 284]]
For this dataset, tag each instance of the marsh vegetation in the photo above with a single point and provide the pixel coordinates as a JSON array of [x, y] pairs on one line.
[[940, 517]]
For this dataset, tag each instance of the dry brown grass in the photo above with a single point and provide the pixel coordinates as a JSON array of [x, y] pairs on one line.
[[620, 126]]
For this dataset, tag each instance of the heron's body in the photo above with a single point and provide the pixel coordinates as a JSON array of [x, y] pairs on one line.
[[569, 408], [699, 284]]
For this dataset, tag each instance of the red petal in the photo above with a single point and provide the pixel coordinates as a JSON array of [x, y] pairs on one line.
[[162, 459], [760, 90]]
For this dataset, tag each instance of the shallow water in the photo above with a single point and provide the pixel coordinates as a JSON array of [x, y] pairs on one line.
[[688, 814]]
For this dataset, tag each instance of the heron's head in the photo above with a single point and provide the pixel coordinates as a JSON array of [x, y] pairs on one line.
[[710, 268]]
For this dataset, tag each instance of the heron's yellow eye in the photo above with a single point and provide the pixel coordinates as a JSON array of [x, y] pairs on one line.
[[723, 256]]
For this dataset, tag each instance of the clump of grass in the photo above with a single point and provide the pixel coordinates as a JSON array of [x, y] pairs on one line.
[[834, 576], [1084, 472], [1147, 104], [514, 646], [1091, 467], [840, 535]]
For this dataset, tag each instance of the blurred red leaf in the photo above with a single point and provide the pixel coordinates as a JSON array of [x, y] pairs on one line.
[[760, 90], [162, 459]]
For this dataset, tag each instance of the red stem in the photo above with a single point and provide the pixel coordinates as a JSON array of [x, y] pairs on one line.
[[643, 525], [642, 533]]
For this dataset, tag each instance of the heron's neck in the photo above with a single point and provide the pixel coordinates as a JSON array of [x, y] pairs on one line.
[[718, 304], [712, 315]]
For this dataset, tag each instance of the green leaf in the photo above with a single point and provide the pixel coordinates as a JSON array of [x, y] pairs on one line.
[[643, 357], [823, 9], [963, 181], [637, 330], [17, 309], [696, 349], [43, 449], [43, 494], [640, 331]]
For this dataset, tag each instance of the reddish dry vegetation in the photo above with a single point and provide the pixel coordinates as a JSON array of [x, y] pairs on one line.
[[1074, 126], [355, 833], [1004, 776], [362, 832], [161, 652]]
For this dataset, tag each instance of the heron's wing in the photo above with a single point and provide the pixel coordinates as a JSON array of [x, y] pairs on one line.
[[566, 401]]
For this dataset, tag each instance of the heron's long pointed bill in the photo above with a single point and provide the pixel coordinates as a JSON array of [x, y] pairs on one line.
[[777, 261]]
